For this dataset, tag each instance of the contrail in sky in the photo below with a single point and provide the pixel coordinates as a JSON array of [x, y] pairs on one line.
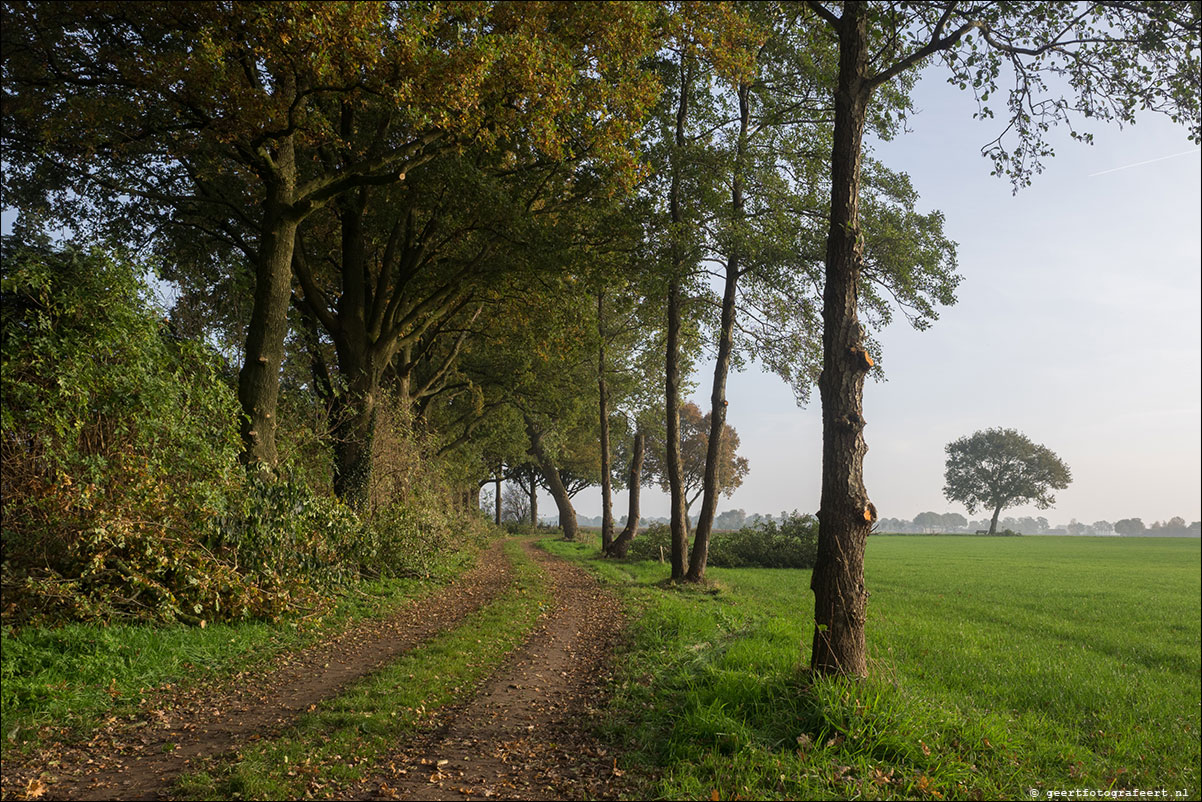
[[1139, 164]]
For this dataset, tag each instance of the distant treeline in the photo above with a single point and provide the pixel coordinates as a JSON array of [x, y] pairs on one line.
[[953, 523]]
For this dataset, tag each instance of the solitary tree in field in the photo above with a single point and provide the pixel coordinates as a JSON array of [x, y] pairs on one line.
[[1000, 468]]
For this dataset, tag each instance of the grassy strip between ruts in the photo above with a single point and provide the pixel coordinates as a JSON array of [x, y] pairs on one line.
[[343, 738], [1018, 669], [62, 681]]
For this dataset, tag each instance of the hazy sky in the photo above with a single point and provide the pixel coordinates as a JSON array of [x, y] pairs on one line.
[[1078, 323]]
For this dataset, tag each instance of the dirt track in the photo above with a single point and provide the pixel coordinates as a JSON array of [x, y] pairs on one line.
[[523, 736]]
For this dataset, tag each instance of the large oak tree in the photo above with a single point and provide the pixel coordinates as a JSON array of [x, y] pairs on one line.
[[229, 119]]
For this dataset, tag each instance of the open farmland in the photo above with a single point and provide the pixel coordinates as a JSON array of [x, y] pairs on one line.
[[1000, 665]]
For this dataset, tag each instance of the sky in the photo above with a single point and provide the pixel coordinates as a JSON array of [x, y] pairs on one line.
[[1077, 323]]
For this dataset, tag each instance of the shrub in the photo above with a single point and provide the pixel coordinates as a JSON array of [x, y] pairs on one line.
[[118, 442], [410, 519], [647, 545], [120, 488], [792, 543]]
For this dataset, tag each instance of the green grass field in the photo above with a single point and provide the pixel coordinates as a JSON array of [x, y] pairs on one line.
[[1002, 668]]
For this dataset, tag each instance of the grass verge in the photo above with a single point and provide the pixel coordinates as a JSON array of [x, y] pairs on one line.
[[344, 738], [1002, 668], [56, 683]]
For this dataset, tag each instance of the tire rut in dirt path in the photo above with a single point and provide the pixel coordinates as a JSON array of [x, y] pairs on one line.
[[525, 734], [135, 760]]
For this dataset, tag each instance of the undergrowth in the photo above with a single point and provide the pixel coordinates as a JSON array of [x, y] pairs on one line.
[[122, 497], [792, 543]]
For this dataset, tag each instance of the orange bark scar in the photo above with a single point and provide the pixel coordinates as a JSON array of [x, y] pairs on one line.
[[861, 355]]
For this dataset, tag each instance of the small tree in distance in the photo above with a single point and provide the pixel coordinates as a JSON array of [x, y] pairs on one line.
[[694, 443], [1000, 468], [953, 521]]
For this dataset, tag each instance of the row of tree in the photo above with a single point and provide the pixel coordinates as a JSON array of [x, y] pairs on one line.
[[517, 225]]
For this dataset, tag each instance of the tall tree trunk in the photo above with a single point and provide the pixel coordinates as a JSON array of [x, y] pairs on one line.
[[845, 513], [497, 500], [680, 541], [533, 502], [607, 511], [403, 382], [354, 438], [567, 513], [259, 378], [357, 362], [993, 524], [679, 530], [709, 501], [635, 479]]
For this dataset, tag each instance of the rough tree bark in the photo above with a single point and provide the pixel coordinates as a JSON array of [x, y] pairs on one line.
[[710, 489], [359, 361], [497, 499], [679, 516], [622, 542], [607, 512], [534, 503], [259, 378], [845, 513], [567, 513]]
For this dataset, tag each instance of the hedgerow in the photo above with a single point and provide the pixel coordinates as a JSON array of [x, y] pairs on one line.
[[791, 543], [122, 494]]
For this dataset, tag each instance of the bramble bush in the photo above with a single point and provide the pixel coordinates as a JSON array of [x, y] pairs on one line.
[[791, 543]]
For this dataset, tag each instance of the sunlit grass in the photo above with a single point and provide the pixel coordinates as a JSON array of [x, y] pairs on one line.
[[999, 665]]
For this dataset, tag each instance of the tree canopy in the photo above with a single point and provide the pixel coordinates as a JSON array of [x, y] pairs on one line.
[[1000, 468]]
